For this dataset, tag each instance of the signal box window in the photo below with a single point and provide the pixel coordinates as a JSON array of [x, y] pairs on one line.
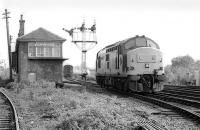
[[44, 49]]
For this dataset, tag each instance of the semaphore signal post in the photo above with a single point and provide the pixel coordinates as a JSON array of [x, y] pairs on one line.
[[85, 39]]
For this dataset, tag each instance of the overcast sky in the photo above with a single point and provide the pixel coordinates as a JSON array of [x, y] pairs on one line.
[[173, 24]]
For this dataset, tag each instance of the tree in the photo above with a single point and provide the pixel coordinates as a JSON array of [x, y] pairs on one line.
[[183, 61], [181, 71]]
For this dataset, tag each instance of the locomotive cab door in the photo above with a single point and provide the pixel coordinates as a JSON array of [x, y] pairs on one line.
[[120, 60]]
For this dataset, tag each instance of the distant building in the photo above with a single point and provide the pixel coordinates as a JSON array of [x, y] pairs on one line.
[[38, 55]]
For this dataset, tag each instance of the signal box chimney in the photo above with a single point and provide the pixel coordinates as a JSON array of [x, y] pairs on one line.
[[21, 27]]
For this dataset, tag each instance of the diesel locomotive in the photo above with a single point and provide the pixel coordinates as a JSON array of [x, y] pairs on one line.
[[134, 64]]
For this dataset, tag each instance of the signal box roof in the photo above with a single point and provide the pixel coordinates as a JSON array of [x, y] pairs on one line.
[[40, 35]]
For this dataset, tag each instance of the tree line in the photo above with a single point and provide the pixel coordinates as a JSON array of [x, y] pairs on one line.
[[182, 70]]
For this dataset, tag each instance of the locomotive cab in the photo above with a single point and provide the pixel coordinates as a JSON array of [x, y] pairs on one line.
[[144, 65]]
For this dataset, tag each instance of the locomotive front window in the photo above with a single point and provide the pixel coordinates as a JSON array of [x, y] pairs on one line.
[[141, 42], [150, 43]]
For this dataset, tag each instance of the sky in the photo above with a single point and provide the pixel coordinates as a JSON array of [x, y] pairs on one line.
[[173, 24]]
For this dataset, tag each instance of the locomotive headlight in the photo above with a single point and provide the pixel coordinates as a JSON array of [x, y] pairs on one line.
[[146, 65]]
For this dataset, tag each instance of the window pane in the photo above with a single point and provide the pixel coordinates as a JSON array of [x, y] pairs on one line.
[[57, 50], [150, 43], [31, 49], [40, 51], [48, 51], [44, 49], [141, 42]]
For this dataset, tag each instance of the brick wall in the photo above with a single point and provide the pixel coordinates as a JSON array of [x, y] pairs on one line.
[[23, 61], [50, 70]]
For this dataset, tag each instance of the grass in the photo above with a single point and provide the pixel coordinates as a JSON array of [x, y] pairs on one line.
[[41, 106]]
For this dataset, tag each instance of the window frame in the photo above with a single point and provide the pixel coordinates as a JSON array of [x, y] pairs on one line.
[[44, 49]]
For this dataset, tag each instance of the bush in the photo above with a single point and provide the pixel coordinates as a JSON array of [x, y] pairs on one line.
[[43, 108], [90, 119]]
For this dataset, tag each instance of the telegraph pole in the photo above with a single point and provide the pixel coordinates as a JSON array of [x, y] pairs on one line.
[[8, 40]]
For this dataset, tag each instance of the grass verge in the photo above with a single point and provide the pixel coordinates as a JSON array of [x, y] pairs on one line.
[[41, 106]]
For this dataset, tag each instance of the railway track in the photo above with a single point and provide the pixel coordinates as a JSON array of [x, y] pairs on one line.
[[182, 87], [8, 115], [183, 104], [190, 93], [142, 123], [185, 107]]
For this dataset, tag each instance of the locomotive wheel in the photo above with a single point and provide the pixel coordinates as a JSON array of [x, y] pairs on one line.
[[102, 83], [125, 86], [107, 86], [119, 86]]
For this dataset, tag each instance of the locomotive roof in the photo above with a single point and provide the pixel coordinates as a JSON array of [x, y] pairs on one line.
[[126, 40]]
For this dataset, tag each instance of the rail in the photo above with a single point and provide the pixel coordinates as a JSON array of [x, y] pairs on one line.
[[16, 122]]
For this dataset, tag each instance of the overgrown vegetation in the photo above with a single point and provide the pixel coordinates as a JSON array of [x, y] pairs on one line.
[[4, 72], [42, 106], [182, 70]]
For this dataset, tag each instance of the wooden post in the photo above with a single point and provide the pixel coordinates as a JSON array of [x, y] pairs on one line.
[[8, 41]]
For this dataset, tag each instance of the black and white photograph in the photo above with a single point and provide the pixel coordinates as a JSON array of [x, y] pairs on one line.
[[99, 65]]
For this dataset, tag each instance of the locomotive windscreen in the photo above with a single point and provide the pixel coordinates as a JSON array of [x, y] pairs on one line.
[[141, 42], [135, 43], [152, 44]]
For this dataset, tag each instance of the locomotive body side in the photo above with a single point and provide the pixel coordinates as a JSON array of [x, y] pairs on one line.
[[135, 64]]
